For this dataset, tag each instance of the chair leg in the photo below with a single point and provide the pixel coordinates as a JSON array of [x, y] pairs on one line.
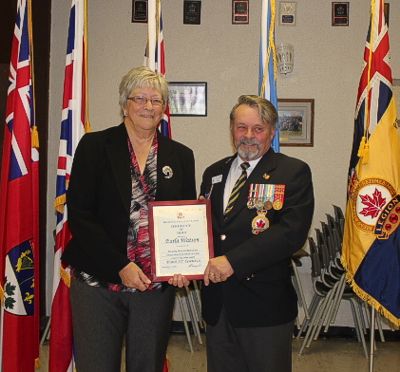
[[193, 315], [311, 310], [185, 323], [300, 291]]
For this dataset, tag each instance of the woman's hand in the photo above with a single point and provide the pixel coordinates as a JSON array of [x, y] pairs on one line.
[[179, 280], [132, 276]]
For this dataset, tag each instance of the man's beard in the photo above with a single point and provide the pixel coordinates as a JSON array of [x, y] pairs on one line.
[[248, 153]]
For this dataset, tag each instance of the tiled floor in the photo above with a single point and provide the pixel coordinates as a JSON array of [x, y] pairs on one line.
[[333, 355]]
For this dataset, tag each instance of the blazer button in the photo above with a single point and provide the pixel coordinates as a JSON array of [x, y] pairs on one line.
[[223, 237]]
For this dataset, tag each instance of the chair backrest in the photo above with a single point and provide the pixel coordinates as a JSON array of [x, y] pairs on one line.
[[315, 263], [322, 249]]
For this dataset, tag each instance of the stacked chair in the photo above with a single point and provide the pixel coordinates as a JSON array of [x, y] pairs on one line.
[[189, 303], [329, 284]]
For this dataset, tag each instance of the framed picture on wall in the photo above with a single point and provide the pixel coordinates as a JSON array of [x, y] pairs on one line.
[[188, 98], [340, 13], [296, 122], [386, 10], [240, 12], [191, 12], [139, 11]]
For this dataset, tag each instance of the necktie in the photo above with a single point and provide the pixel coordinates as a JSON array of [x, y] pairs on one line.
[[236, 188]]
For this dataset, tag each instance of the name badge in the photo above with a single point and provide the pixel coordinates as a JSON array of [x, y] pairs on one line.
[[216, 179]]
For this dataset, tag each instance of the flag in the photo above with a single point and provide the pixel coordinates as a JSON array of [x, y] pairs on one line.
[[371, 243], [19, 209], [155, 53], [74, 124], [268, 62]]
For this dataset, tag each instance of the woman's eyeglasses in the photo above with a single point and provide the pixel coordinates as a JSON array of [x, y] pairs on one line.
[[140, 100]]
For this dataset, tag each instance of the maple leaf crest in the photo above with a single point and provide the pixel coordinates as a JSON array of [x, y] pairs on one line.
[[260, 224], [373, 204]]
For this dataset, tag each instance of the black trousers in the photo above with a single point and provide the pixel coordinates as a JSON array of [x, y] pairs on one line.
[[102, 319], [256, 349]]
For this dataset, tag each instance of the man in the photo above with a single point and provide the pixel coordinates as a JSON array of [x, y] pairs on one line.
[[261, 212]]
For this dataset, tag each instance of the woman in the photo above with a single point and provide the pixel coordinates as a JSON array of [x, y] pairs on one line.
[[115, 173]]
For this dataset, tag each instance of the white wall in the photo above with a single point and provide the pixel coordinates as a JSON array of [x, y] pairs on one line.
[[328, 63]]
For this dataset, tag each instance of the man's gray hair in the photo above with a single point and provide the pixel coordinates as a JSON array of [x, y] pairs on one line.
[[265, 108], [141, 77]]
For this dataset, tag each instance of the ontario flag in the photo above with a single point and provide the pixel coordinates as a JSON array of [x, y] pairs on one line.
[[19, 210], [73, 126], [268, 62], [155, 53], [371, 243]]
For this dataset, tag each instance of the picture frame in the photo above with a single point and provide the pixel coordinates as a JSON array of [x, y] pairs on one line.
[[191, 12], [188, 98], [386, 10], [287, 13], [139, 11], [340, 13], [296, 122], [240, 12]]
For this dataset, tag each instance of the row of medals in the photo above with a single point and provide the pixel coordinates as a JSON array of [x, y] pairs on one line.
[[263, 201]]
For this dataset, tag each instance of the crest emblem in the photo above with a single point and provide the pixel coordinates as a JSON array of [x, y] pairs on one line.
[[376, 207], [19, 283]]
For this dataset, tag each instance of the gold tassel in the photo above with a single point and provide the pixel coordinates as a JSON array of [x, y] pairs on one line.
[[360, 152], [1, 294], [66, 278], [59, 203], [88, 127], [37, 363], [35, 137], [365, 157]]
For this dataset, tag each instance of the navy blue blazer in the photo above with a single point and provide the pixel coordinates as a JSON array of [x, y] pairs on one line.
[[99, 198], [260, 292]]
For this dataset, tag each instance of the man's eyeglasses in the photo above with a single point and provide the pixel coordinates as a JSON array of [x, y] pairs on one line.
[[140, 100]]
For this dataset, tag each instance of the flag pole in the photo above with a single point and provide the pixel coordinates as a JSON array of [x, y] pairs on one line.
[[372, 340]]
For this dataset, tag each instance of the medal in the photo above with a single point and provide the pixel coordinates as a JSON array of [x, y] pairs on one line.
[[279, 197], [260, 222], [267, 205], [251, 197]]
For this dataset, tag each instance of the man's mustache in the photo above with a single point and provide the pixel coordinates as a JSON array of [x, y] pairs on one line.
[[248, 141]]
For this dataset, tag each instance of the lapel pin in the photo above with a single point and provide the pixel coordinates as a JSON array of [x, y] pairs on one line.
[[266, 176], [167, 171]]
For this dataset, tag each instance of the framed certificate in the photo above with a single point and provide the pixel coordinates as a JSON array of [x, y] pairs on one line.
[[180, 238]]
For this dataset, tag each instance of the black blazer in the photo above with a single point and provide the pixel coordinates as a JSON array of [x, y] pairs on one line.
[[99, 198], [260, 292]]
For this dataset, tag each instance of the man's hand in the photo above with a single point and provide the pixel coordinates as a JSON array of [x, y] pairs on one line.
[[218, 270], [132, 276]]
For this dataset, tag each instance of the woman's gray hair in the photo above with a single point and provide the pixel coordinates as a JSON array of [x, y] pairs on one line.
[[141, 77], [265, 108]]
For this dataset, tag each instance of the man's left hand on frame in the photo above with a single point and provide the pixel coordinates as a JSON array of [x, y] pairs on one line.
[[218, 270]]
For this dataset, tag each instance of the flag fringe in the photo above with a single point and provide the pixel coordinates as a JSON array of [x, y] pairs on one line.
[[37, 363], [364, 296], [1, 295], [59, 203]]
